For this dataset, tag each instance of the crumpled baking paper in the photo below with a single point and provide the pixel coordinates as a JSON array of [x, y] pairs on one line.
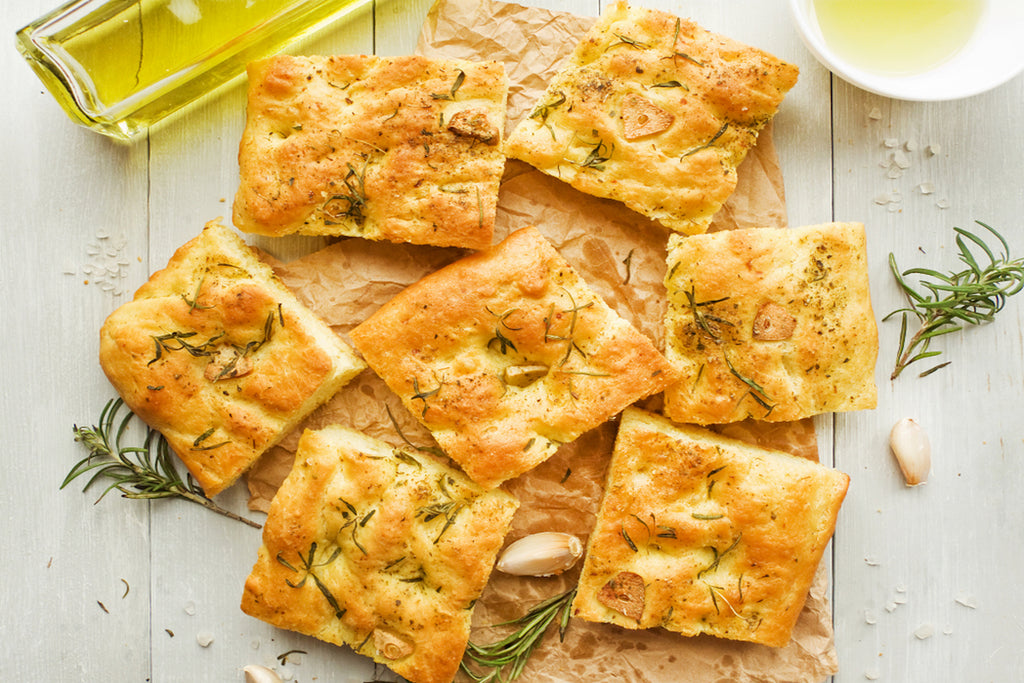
[[621, 255]]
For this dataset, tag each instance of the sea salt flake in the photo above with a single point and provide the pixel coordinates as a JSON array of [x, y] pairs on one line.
[[190, 608], [882, 200], [894, 172], [967, 601], [924, 631], [875, 114], [871, 561], [871, 675], [942, 203], [900, 158], [869, 617], [205, 639], [910, 145], [891, 607], [926, 188], [891, 143]]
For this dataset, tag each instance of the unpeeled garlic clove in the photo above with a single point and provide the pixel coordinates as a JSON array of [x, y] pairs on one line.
[[910, 445], [254, 673], [542, 554]]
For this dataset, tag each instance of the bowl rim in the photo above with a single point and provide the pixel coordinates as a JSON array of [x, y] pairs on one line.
[[936, 84]]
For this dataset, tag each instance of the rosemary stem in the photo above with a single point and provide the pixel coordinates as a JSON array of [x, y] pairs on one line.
[[213, 507]]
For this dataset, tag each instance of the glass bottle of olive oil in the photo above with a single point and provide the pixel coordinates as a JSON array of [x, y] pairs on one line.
[[897, 36], [119, 66]]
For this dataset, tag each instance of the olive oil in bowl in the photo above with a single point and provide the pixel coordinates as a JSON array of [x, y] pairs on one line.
[[895, 37], [119, 66]]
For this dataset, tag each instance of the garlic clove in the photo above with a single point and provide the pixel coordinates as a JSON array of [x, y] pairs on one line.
[[913, 451], [625, 593], [524, 375], [391, 645], [542, 554], [254, 673]]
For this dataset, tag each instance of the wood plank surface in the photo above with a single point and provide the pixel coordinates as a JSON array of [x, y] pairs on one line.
[[923, 579]]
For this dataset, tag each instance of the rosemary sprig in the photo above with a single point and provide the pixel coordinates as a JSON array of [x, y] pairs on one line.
[[598, 155], [971, 296], [709, 143], [450, 95], [139, 472], [308, 565], [505, 659], [351, 203]]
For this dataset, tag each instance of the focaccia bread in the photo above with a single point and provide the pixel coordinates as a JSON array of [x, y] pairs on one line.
[[698, 533], [220, 357], [506, 354], [380, 549], [656, 112], [770, 323], [405, 149]]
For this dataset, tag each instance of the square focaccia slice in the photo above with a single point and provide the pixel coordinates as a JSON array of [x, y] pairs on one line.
[[380, 549], [507, 354], [405, 149], [220, 357], [656, 112], [770, 323], [698, 533]]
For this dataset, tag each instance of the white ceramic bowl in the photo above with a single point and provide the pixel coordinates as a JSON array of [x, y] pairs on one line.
[[992, 56]]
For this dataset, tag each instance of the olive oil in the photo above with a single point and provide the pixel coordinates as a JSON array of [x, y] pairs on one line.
[[897, 36], [119, 66]]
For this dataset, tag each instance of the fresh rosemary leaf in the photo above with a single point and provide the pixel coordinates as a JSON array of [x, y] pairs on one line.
[[505, 659], [139, 472], [946, 302]]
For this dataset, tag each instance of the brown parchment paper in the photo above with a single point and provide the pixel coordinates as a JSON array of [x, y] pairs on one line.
[[621, 255]]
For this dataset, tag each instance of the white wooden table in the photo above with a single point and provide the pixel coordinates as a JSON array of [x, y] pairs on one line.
[[121, 590]]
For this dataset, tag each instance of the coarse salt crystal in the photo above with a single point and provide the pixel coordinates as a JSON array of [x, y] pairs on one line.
[[875, 114], [900, 158], [205, 639], [891, 142], [926, 188], [894, 172], [869, 617], [190, 608], [924, 631], [882, 200], [871, 675], [966, 601], [910, 145], [942, 203]]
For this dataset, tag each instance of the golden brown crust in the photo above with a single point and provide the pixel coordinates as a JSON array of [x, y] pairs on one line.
[[450, 344], [780, 326], [725, 536], [654, 111], [331, 142], [216, 354], [381, 550]]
